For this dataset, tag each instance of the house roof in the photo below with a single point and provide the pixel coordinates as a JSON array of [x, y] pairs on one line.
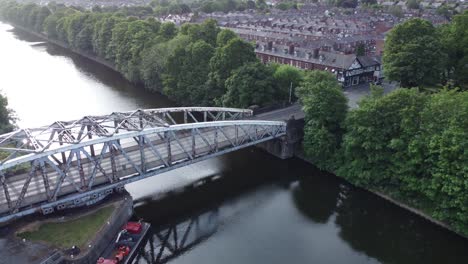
[[367, 61]]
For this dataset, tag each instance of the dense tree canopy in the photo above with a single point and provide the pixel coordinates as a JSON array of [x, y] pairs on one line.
[[455, 39], [225, 60], [287, 78], [413, 54], [251, 84], [325, 107]]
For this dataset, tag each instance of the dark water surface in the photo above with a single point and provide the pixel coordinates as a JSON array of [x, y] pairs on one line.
[[262, 210]]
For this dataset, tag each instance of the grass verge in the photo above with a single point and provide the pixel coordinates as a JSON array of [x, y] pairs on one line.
[[74, 232]]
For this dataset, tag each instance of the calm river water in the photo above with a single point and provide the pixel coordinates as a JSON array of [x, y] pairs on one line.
[[267, 210]]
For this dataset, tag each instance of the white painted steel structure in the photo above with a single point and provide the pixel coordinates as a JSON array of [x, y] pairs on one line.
[[78, 162]]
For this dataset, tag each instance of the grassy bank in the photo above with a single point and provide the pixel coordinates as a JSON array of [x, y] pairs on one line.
[[74, 232]]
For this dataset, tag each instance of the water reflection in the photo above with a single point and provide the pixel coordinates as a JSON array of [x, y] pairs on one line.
[[169, 241], [316, 197], [45, 83], [307, 217], [392, 235]]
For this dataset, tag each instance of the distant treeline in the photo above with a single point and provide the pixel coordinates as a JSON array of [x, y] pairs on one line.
[[195, 64], [163, 8]]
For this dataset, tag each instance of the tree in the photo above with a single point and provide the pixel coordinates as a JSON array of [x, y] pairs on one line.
[[443, 140], [413, 54], [7, 118], [155, 59], [379, 131], [168, 30], [251, 4], [224, 36], [43, 13], [360, 50], [226, 59], [287, 77], [345, 3], [444, 11], [455, 43], [250, 84], [369, 2], [412, 4], [396, 11], [102, 34], [187, 72], [50, 24], [325, 108]]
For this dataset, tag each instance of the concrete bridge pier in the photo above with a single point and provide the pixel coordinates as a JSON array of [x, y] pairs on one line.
[[286, 146]]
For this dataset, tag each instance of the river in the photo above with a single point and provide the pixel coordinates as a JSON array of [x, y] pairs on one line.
[[266, 210]]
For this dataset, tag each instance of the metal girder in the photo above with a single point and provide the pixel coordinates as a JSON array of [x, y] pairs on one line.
[[124, 157]]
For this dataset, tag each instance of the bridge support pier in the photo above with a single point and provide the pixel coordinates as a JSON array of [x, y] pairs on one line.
[[286, 146]]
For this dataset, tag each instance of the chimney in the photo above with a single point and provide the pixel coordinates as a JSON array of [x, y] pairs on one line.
[[316, 53]]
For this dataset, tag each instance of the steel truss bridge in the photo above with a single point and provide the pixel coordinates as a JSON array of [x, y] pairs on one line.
[[78, 162]]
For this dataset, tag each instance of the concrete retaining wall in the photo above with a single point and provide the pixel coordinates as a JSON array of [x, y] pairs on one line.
[[287, 146]]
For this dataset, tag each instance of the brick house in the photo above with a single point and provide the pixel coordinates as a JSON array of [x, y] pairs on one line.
[[349, 69]]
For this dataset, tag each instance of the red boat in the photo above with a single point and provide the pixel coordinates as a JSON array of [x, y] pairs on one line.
[[125, 246]]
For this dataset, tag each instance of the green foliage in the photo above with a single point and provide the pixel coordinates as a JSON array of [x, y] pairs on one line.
[[377, 133], [445, 11], [413, 54], [225, 60], [287, 77], [344, 3], [224, 36], [325, 107], [442, 141], [76, 232], [360, 50], [412, 4], [455, 42], [286, 5], [7, 118], [187, 71], [413, 144], [369, 2], [396, 11], [251, 84]]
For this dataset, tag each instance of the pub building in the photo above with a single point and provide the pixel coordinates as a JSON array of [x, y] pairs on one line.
[[349, 69]]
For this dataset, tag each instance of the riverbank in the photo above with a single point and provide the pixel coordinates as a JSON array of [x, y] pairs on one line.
[[65, 46], [300, 154], [91, 229]]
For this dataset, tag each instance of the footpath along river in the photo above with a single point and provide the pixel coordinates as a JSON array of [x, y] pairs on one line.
[[267, 210]]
